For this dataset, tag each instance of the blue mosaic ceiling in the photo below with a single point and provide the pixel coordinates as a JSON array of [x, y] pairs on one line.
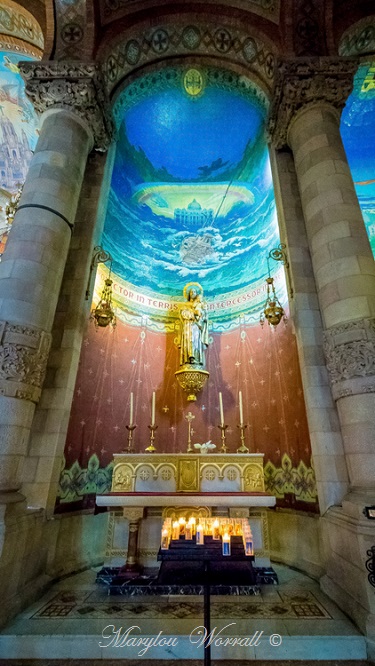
[[191, 196]]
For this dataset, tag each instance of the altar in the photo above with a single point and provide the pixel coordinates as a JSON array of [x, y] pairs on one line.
[[149, 488]]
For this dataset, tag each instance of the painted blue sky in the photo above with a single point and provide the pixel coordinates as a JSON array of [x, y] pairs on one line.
[[188, 135]]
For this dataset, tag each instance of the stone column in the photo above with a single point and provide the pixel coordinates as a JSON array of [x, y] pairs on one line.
[[324, 427], [306, 115], [32, 266], [309, 95], [134, 516]]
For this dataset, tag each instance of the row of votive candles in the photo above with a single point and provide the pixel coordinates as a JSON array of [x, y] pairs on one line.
[[217, 528]]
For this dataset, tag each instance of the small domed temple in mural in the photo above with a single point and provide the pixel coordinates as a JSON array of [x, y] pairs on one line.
[[187, 331]]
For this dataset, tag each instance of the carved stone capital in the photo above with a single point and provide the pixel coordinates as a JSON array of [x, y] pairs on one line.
[[77, 87], [23, 360], [350, 355], [307, 81], [134, 514]]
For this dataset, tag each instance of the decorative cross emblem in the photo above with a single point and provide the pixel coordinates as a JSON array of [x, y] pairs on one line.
[[160, 41], [72, 32], [222, 41]]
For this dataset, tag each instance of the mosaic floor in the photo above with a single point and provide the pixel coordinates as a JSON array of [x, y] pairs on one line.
[[72, 618], [86, 605]]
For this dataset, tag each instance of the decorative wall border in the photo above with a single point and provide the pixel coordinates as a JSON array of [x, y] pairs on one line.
[[154, 44], [359, 38], [111, 10]]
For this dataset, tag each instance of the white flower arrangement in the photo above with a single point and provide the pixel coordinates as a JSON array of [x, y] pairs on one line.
[[204, 448]]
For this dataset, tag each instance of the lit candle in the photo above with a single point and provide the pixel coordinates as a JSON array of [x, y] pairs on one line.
[[226, 544], [182, 523], [175, 530], [221, 409], [164, 539], [249, 549], [192, 522], [241, 408], [200, 535], [216, 529], [188, 531], [153, 409], [131, 410]]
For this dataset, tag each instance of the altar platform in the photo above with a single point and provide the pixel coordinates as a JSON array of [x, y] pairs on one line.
[[147, 488], [145, 499]]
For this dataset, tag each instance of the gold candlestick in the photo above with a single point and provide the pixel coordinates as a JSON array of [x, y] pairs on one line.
[[151, 448], [189, 417], [130, 428], [242, 448], [223, 428]]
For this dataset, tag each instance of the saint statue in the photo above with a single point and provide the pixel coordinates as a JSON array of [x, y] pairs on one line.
[[193, 338]]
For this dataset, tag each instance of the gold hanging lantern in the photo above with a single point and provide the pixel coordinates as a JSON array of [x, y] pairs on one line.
[[103, 314], [273, 311]]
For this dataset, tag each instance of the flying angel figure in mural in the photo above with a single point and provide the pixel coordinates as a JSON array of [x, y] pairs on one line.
[[193, 338]]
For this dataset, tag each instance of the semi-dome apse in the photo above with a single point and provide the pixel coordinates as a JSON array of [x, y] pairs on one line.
[[191, 196]]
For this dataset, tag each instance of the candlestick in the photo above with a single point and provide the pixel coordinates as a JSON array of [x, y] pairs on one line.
[[241, 407], [221, 409], [242, 448], [189, 417], [216, 530], [131, 410], [151, 448], [130, 429], [153, 409], [223, 447]]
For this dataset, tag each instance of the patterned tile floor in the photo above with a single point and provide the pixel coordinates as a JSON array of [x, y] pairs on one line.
[[73, 604], [68, 622]]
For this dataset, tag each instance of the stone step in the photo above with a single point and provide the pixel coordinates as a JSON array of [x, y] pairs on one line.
[[264, 647]]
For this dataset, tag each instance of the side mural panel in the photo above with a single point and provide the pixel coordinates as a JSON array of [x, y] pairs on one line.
[[18, 135], [358, 134]]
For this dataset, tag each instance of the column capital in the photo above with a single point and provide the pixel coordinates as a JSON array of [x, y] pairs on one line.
[[76, 87], [350, 353], [23, 360], [302, 82]]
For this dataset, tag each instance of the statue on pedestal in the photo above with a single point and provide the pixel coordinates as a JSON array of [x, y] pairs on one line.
[[192, 341], [194, 327]]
